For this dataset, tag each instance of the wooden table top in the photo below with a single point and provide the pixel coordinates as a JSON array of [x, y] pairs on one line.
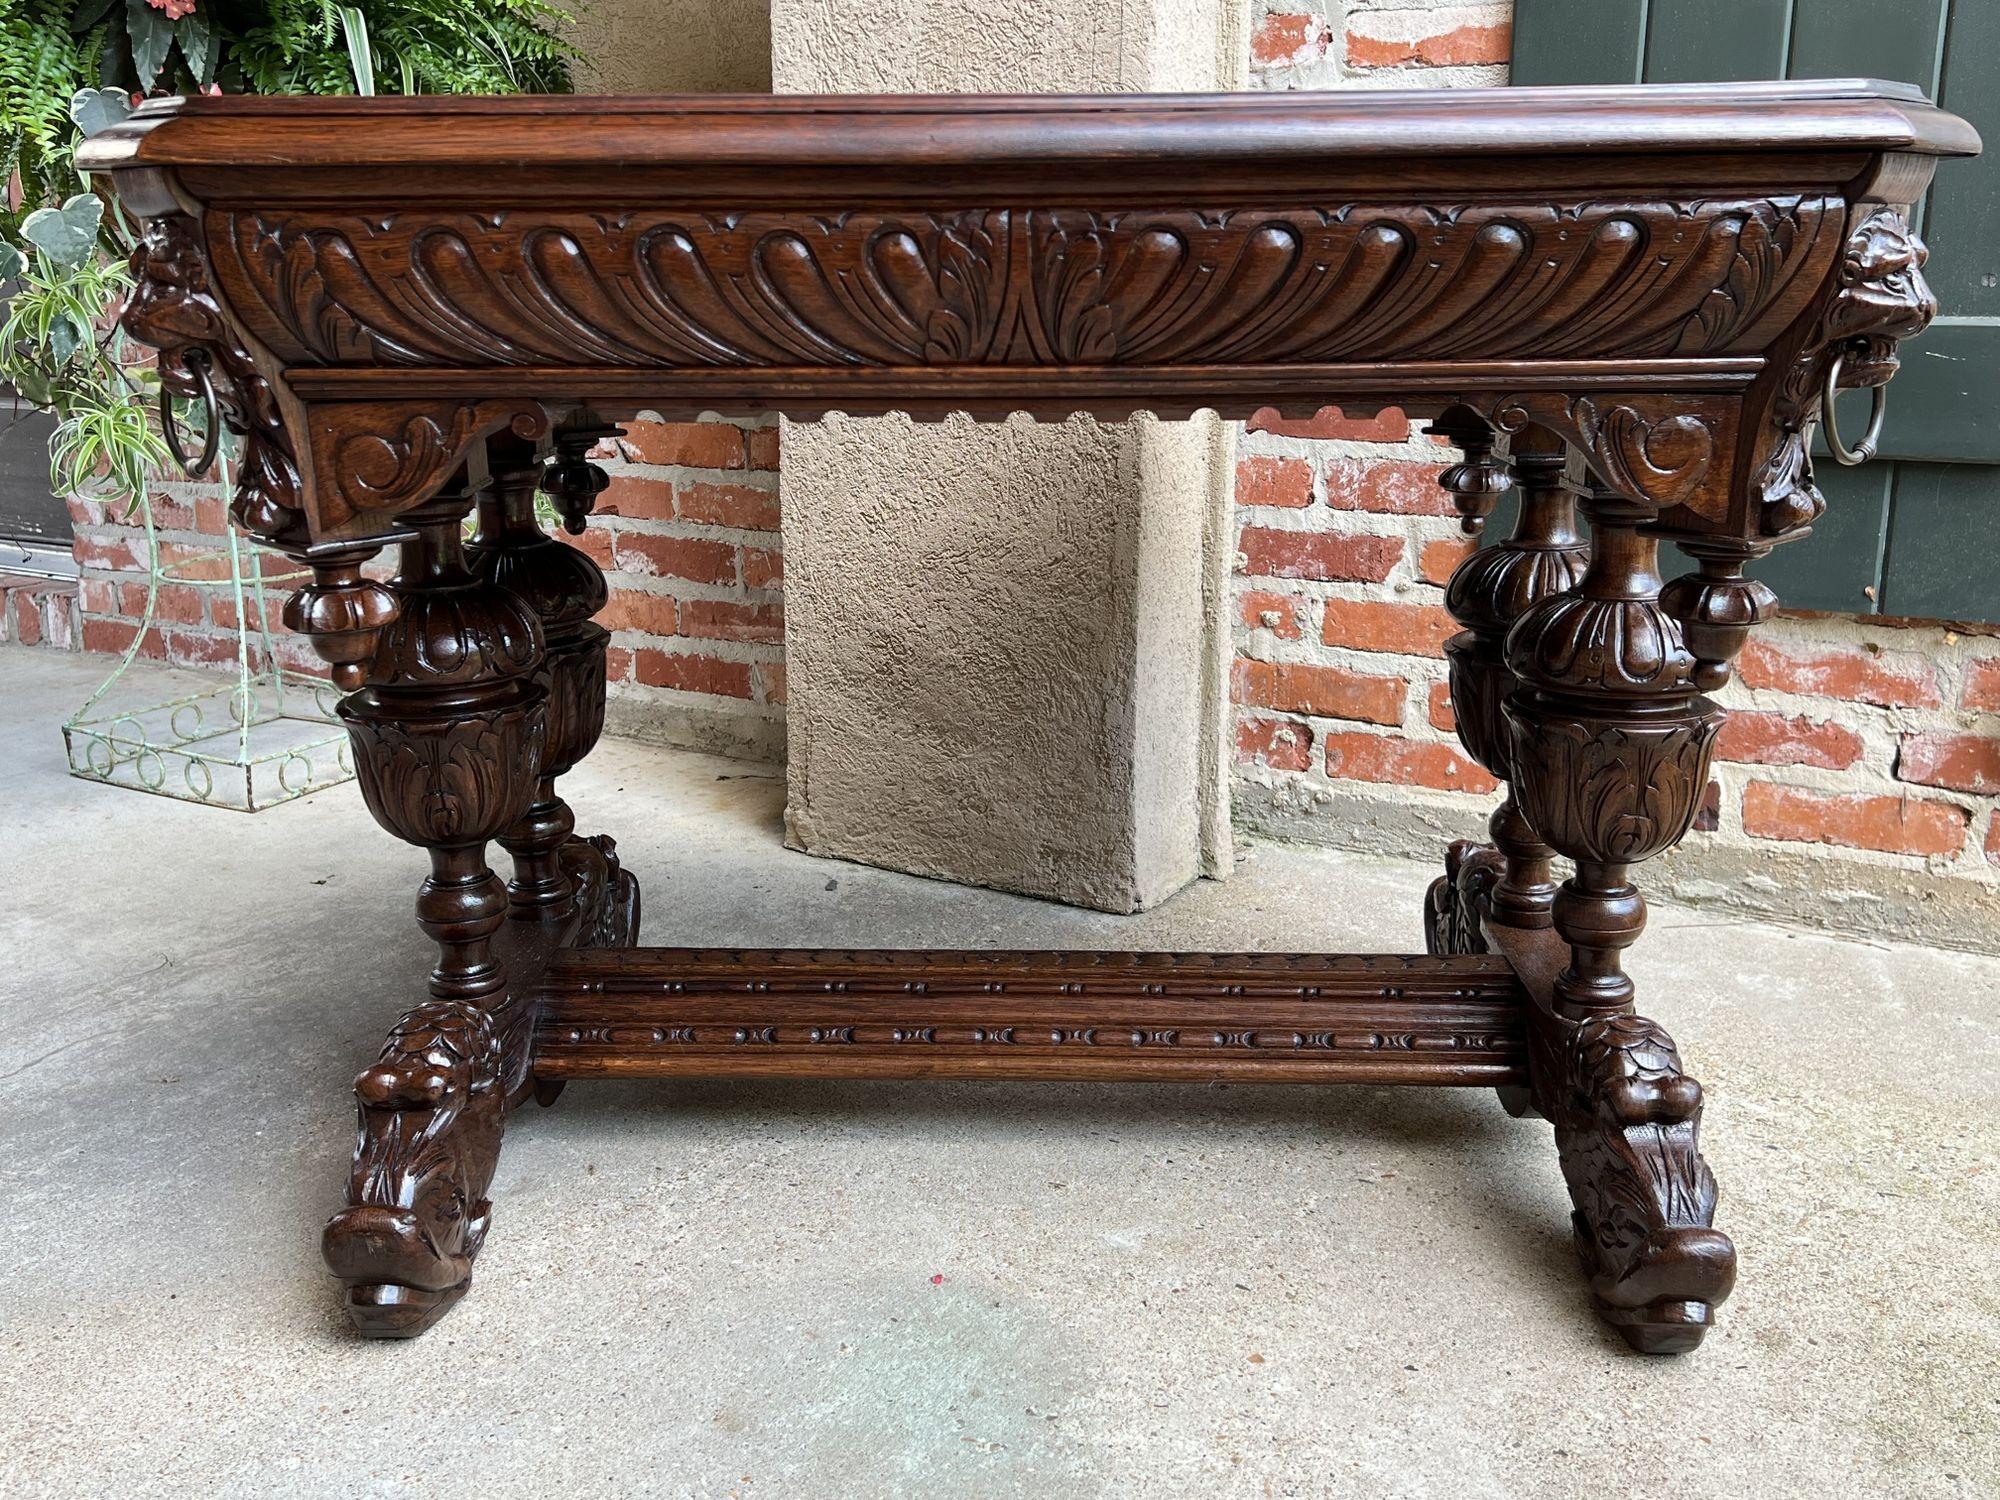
[[718, 132]]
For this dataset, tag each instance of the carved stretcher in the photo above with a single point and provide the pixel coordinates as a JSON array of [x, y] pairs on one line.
[[1633, 301]]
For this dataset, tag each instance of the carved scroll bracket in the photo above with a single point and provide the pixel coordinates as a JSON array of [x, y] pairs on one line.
[[375, 459], [1664, 450]]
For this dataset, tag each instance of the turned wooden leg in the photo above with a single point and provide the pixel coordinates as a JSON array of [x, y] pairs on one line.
[[563, 588], [448, 734], [1512, 882], [1610, 742]]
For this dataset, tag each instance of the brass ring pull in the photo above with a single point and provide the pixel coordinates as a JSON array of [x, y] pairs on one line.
[[195, 362], [1864, 450]]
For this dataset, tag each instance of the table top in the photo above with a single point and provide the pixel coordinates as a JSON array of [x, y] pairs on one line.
[[941, 130]]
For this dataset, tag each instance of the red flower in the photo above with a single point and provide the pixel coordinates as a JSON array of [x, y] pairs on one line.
[[176, 9]]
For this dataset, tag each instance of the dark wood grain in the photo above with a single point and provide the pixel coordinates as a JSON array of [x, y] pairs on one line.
[[1623, 299], [1252, 1017]]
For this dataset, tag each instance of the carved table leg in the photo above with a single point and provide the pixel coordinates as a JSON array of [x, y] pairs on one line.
[[1610, 746], [563, 588], [448, 736], [1510, 882]]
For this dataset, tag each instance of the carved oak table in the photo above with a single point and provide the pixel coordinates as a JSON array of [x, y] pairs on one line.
[[1633, 301]]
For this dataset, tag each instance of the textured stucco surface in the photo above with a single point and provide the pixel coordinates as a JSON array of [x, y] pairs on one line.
[[1004, 643], [673, 46], [844, 1291], [1033, 46], [1000, 665]]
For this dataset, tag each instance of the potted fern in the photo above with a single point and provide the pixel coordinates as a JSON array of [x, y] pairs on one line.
[[69, 68]]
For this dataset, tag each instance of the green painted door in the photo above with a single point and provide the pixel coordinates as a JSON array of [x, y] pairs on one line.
[[1917, 532]]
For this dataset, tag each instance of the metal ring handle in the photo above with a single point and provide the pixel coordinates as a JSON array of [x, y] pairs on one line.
[[1864, 450], [195, 362]]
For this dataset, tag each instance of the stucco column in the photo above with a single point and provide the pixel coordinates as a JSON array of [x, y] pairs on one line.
[[1006, 644]]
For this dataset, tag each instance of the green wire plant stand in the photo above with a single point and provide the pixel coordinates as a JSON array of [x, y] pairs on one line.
[[264, 738]]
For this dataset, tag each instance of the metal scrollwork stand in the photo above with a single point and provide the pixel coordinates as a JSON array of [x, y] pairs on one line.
[[267, 737]]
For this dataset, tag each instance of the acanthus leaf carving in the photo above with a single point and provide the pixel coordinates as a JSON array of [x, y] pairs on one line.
[[1030, 285], [1618, 792], [1452, 906]]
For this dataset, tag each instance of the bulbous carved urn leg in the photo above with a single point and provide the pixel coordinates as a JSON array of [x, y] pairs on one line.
[[1510, 879], [448, 736], [564, 588], [1610, 742]]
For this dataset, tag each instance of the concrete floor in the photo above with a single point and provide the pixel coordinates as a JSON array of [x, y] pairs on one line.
[[856, 1290]]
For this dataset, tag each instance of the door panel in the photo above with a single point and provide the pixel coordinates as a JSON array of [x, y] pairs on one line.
[[1838, 567], [1895, 39], [1944, 537], [1714, 41], [1579, 41]]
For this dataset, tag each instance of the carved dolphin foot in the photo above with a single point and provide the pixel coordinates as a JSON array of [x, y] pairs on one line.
[[1452, 905], [1626, 1122], [431, 1112]]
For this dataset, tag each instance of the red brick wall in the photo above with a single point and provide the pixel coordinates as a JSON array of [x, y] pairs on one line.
[[687, 535], [688, 538], [196, 626], [39, 612]]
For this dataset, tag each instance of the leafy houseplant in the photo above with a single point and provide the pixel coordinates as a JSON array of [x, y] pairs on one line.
[[69, 68]]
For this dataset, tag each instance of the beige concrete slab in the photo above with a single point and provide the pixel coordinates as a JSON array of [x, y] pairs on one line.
[[907, 1290]]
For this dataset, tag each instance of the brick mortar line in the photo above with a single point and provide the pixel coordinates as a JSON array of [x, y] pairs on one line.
[[748, 708], [756, 653], [689, 531], [764, 480], [670, 586]]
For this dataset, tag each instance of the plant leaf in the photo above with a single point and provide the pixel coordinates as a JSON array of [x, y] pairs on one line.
[[152, 39], [31, 383], [355, 26], [87, 15], [65, 338], [66, 235], [112, 50], [197, 39], [97, 110], [12, 262]]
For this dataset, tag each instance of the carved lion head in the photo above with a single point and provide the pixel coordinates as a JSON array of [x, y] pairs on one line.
[[170, 306], [1883, 298], [442, 1051]]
